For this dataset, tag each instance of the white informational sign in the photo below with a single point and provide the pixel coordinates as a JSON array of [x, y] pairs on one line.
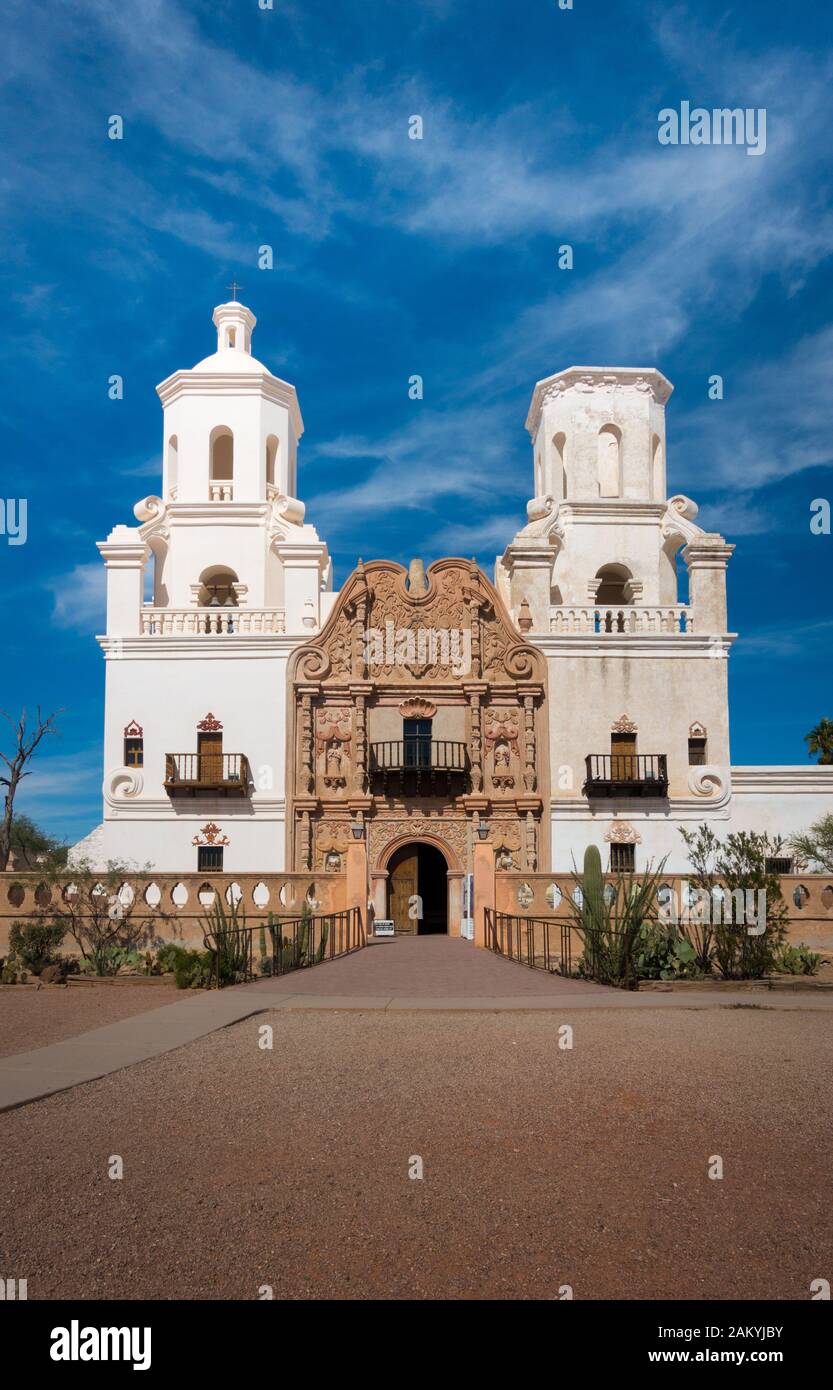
[[383, 926], [467, 923]]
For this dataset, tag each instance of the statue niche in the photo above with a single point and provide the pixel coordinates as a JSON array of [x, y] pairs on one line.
[[334, 737], [501, 737]]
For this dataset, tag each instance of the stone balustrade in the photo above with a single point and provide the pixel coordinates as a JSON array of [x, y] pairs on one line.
[[623, 619], [220, 492], [201, 622], [808, 899], [176, 905]]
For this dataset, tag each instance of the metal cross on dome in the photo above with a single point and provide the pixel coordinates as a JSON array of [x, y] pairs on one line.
[[234, 287]]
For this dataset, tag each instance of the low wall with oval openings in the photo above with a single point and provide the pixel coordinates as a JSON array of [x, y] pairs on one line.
[[808, 897], [180, 902]]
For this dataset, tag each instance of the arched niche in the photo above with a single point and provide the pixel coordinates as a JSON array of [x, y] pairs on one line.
[[221, 455], [610, 461], [217, 587], [272, 449], [614, 585], [173, 466], [559, 464], [657, 470]]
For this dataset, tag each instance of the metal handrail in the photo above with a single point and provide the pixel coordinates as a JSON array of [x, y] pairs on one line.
[[206, 769], [640, 771], [516, 938], [292, 943], [418, 755]]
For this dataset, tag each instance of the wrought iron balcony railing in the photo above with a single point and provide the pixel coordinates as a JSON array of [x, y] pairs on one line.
[[193, 774], [418, 760], [626, 774]]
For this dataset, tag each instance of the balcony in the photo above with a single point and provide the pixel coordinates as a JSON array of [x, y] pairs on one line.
[[626, 774], [621, 619], [421, 765], [209, 622], [201, 774]]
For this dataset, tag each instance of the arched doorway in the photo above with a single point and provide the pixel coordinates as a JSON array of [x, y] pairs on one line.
[[418, 890]]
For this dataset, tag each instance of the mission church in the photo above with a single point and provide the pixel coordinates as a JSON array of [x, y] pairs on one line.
[[258, 720]]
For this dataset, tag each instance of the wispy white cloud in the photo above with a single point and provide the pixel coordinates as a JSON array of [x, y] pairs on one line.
[[80, 597], [776, 420], [801, 640], [444, 457]]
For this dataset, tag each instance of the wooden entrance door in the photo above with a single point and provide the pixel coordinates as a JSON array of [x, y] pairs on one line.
[[403, 887], [210, 758], [623, 757]]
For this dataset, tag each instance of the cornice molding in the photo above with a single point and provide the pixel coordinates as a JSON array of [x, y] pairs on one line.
[[788, 780], [597, 381], [636, 645], [215, 646], [194, 383]]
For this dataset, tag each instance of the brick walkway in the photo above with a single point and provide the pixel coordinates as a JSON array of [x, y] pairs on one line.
[[427, 967], [402, 974]]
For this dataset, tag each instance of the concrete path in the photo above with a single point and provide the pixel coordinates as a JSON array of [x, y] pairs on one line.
[[404, 973]]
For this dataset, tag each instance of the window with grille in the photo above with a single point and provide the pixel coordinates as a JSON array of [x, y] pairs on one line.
[[134, 752], [622, 859], [696, 752], [210, 859], [779, 865]]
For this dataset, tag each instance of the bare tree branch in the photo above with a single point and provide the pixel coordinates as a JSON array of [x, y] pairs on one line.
[[26, 743]]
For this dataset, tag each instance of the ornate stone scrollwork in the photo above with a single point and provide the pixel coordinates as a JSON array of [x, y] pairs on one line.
[[621, 833], [331, 841], [125, 782], [707, 780], [623, 725], [211, 834], [149, 509]]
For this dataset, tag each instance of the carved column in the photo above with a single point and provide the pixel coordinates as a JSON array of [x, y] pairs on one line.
[[305, 843], [307, 745], [476, 750], [531, 843], [360, 695], [530, 775], [475, 602], [359, 627]]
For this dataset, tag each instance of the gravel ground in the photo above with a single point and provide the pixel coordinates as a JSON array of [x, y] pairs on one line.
[[31, 1017], [542, 1167]]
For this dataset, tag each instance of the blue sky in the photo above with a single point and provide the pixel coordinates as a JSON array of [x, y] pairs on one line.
[[289, 127]]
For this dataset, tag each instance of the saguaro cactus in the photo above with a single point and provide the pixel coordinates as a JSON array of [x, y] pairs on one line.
[[593, 890]]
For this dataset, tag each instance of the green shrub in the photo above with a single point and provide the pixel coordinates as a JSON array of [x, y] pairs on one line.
[[610, 923], [193, 969], [168, 955], [35, 944], [740, 863], [796, 960], [664, 953]]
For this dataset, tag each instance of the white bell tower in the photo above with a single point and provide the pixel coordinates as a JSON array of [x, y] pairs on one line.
[[231, 428]]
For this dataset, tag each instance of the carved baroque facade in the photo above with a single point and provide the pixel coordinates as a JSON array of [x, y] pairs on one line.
[[449, 654]]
